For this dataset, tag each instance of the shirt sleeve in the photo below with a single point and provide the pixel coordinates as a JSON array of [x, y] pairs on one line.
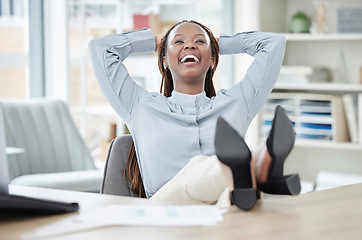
[[268, 52], [107, 54]]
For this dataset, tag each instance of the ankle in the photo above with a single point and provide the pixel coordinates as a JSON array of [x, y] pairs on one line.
[[265, 161], [226, 170]]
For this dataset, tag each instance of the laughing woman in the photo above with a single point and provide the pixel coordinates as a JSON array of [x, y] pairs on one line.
[[188, 139]]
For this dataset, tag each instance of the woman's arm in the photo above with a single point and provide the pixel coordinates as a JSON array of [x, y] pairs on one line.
[[268, 52], [107, 54]]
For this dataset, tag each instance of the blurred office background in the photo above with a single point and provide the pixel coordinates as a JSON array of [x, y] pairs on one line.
[[44, 53]]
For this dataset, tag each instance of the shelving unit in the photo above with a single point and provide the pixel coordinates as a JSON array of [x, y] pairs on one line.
[[325, 146], [335, 88], [315, 116], [338, 89], [323, 37], [331, 50]]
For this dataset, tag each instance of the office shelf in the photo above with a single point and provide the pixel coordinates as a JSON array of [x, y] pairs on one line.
[[325, 145], [338, 52], [323, 37], [328, 145], [320, 87]]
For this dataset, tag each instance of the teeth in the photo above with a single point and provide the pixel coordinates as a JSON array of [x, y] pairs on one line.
[[189, 56]]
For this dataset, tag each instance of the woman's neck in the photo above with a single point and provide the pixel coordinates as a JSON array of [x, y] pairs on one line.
[[191, 89]]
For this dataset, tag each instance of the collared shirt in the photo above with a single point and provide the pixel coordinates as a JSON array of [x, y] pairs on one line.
[[168, 132]]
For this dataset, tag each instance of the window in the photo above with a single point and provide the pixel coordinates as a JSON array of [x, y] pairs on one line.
[[14, 49], [92, 113]]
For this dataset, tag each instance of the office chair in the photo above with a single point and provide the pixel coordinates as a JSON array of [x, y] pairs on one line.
[[55, 154], [113, 181]]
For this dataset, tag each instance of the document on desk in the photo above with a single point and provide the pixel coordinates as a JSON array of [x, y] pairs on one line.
[[185, 215]]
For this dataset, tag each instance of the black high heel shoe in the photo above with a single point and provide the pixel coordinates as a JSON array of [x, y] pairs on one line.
[[279, 144], [232, 150]]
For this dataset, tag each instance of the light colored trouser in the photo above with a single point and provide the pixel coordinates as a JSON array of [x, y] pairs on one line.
[[201, 181]]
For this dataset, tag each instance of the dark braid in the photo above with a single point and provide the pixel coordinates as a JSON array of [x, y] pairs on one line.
[[132, 168]]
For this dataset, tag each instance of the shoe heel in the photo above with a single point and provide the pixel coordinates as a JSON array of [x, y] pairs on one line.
[[244, 198], [232, 151], [286, 185]]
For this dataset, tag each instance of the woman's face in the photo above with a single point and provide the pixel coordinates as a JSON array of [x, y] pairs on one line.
[[188, 54]]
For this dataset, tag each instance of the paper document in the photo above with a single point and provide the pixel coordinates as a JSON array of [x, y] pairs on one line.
[[129, 215], [188, 215]]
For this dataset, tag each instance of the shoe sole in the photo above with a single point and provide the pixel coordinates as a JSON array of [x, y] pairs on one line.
[[286, 185], [283, 138]]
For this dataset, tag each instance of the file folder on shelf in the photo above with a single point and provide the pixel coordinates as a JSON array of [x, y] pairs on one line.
[[315, 116]]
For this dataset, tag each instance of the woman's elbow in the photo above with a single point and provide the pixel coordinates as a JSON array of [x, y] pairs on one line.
[[280, 39], [92, 45]]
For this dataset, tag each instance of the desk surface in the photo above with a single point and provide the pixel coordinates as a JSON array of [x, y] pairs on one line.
[[329, 214]]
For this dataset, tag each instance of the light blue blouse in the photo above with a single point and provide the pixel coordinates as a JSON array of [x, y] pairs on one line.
[[168, 132]]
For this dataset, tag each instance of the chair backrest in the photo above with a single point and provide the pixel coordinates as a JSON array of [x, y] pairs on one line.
[[113, 181], [45, 129]]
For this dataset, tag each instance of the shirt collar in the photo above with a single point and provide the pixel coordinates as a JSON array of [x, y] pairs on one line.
[[188, 99]]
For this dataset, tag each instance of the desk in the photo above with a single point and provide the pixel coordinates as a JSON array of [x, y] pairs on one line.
[[329, 214]]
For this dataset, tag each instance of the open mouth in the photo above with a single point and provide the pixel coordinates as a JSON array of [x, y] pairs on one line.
[[190, 58]]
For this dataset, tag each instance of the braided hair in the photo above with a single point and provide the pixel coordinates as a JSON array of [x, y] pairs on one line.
[[132, 169]]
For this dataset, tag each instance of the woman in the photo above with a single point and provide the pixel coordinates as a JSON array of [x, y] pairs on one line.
[[170, 130]]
